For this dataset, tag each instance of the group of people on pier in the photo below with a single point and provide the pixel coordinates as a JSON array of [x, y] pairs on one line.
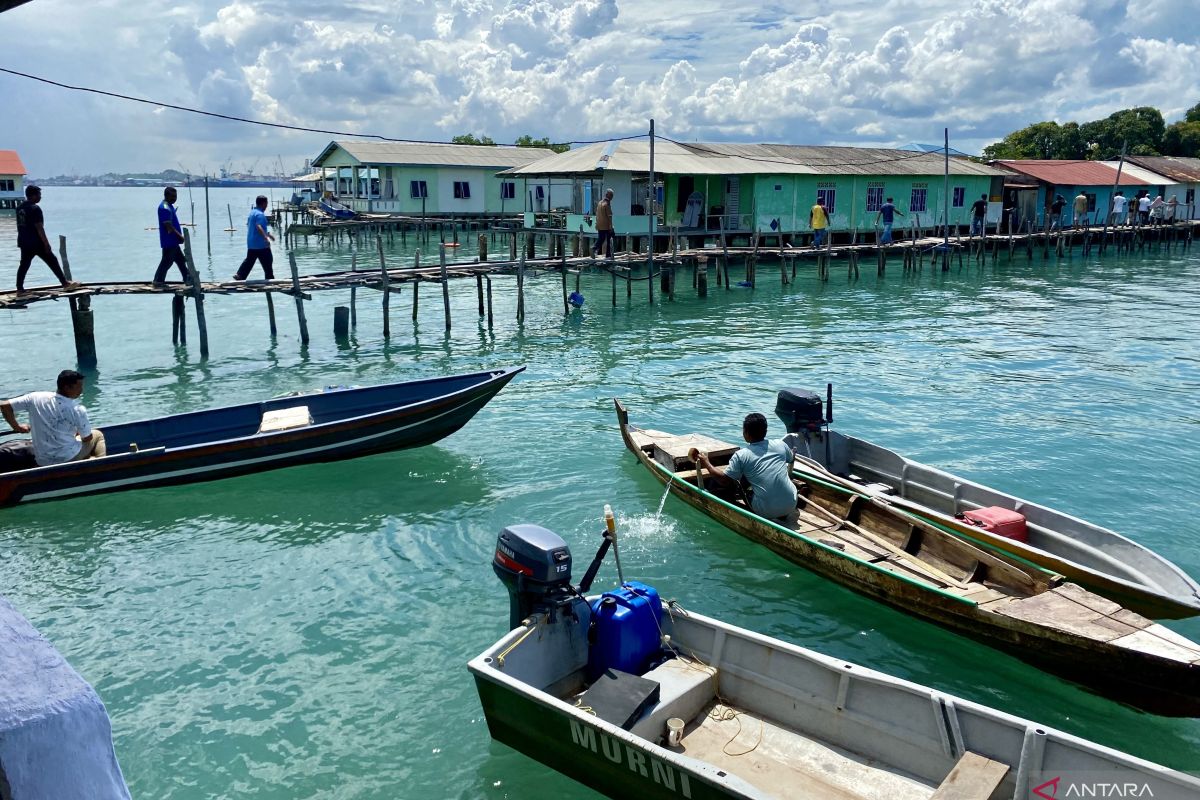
[[33, 243]]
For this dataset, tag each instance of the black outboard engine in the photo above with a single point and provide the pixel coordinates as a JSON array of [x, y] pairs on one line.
[[535, 565], [800, 410]]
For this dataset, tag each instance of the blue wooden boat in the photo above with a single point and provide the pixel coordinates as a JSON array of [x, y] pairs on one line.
[[337, 210], [255, 437]]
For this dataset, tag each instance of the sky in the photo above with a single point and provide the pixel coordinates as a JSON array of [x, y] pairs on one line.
[[861, 72]]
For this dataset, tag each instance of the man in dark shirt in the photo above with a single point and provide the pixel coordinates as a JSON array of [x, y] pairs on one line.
[[1056, 209], [887, 213], [170, 237], [979, 215], [31, 239]]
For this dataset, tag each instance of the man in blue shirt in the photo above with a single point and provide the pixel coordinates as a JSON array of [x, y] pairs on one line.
[[764, 464], [258, 242], [170, 237], [886, 213]]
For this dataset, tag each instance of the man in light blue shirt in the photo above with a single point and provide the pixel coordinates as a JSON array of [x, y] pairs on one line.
[[765, 464], [258, 242]]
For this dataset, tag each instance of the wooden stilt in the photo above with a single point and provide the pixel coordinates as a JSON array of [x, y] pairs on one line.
[[385, 287], [271, 314], [341, 321], [445, 284], [178, 320], [197, 292], [488, 279], [479, 290], [353, 290], [82, 323], [298, 298], [521, 280]]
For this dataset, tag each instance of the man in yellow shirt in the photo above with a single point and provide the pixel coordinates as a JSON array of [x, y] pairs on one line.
[[818, 220]]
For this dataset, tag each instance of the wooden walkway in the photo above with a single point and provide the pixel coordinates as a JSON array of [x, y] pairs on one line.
[[369, 270]]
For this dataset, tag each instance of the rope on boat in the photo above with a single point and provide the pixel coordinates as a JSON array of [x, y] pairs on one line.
[[500, 657]]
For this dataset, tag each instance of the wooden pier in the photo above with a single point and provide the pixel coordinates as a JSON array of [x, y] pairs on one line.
[[369, 269]]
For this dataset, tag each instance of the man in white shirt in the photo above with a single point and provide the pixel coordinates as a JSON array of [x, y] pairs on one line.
[[1144, 208], [57, 422], [1120, 204]]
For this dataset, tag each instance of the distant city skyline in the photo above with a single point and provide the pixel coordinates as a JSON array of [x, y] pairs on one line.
[[863, 73]]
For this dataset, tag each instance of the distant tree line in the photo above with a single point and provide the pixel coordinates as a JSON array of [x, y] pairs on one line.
[[522, 141], [1141, 129]]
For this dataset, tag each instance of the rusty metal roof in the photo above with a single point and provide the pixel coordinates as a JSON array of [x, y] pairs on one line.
[[1071, 173], [10, 163], [746, 159], [441, 155], [1184, 170]]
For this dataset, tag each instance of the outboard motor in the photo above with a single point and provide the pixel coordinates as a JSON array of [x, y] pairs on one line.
[[800, 410], [803, 416], [535, 565]]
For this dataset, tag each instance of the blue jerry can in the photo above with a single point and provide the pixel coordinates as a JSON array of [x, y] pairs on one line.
[[626, 634]]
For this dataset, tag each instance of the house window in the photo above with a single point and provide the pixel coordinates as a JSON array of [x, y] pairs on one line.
[[418, 189], [960, 197], [874, 196], [462, 190], [919, 193], [7, 185], [779, 187], [1091, 201], [508, 190], [827, 196]]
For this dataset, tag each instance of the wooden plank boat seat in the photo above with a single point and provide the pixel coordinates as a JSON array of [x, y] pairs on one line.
[[672, 451], [974, 777], [685, 687], [283, 419]]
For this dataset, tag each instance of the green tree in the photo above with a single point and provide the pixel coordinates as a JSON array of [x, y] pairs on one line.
[[528, 141], [1139, 129], [1040, 140], [1183, 138], [470, 138], [1192, 114]]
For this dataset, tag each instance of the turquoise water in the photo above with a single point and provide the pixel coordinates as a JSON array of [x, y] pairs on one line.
[[303, 633]]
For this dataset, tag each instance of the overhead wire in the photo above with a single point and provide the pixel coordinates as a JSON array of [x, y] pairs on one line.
[[264, 123]]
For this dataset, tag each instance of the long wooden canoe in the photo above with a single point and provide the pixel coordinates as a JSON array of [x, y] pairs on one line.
[[255, 437], [917, 567], [1095, 557], [764, 719]]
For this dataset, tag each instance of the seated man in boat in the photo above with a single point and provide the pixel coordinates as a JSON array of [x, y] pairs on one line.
[[58, 422], [765, 464]]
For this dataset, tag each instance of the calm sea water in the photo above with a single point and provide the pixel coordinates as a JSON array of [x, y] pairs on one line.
[[303, 633]]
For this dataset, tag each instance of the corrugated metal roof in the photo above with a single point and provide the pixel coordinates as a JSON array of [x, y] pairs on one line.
[[448, 155], [1141, 173], [747, 159], [10, 163], [1185, 170], [1071, 173]]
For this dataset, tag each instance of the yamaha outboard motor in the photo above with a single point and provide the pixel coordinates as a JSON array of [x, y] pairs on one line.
[[535, 565]]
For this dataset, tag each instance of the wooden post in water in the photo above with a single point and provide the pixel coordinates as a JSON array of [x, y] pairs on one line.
[[271, 315], [724, 254], [488, 278], [613, 274], [208, 237], [297, 296], [483, 244], [82, 322], [341, 321], [178, 320], [197, 291], [566, 305], [385, 287], [512, 247], [702, 276], [479, 290], [445, 284], [353, 290], [521, 281]]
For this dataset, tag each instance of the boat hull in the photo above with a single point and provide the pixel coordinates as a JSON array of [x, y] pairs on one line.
[[1143, 679], [412, 424], [615, 765], [1100, 559]]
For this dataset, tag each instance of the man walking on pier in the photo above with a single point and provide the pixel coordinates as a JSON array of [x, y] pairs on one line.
[[979, 216], [887, 213], [170, 237], [258, 242], [31, 239], [604, 226]]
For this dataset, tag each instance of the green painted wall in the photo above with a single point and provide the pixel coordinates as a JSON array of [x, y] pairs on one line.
[[787, 199]]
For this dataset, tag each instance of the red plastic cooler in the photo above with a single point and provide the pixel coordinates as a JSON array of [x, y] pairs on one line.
[[1000, 521]]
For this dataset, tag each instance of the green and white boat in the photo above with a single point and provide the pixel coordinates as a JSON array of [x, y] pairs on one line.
[[637, 698]]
